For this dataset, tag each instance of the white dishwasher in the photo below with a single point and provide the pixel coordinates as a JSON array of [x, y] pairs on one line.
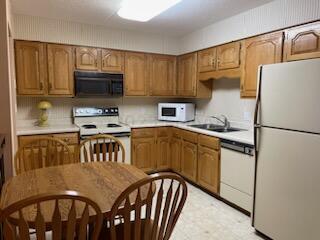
[[237, 173]]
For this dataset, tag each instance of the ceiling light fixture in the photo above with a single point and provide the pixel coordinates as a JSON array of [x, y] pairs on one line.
[[144, 10]]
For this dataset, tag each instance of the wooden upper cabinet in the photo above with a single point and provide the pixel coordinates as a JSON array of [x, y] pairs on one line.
[[31, 71], [112, 61], [302, 42], [187, 75], [162, 75], [207, 60], [87, 58], [228, 56], [60, 69], [264, 49], [136, 74]]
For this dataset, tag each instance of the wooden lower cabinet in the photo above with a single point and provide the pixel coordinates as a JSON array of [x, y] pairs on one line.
[[194, 156], [189, 160], [175, 154], [209, 169], [143, 156], [71, 139]]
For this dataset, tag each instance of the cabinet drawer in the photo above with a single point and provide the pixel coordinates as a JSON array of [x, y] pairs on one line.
[[210, 142], [68, 138], [190, 136], [163, 132], [23, 140], [143, 132]]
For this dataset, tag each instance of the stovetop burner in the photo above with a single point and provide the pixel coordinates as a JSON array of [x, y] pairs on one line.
[[89, 126], [112, 125]]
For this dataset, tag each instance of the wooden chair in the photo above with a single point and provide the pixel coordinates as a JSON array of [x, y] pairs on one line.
[[150, 218], [101, 147], [41, 152], [65, 215]]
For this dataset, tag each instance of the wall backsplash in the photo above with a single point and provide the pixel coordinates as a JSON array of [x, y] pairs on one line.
[[226, 100]]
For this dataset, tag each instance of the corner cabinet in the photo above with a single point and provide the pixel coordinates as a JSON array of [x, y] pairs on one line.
[[163, 75], [60, 69], [44, 69], [189, 155], [264, 49], [31, 71], [163, 148], [187, 75], [136, 74], [302, 42]]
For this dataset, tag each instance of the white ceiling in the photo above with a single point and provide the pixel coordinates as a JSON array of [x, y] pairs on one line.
[[185, 17]]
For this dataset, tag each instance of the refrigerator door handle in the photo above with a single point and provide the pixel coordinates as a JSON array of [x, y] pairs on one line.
[[256, 110]]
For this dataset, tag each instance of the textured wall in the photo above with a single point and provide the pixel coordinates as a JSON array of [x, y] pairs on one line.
[[49, 30], [272, 16]]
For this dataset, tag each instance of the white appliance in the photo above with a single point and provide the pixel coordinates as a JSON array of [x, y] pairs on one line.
[[176, 112], [287, 134], [93, 120], [237, 173]]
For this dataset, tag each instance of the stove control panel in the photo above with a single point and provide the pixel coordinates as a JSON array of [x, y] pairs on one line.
[[95, 111]]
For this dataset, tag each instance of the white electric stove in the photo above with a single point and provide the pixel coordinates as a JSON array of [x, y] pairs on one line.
[[102, 120]]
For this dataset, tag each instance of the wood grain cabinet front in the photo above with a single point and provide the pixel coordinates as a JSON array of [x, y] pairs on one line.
[[228, 56], [264, 49], [207, 60], [143, 154], [187, 75], [189, 160], [60, 69], [162, 75], [112, 61], [136, 72], [31, 70], [88, 58], [302, 42]]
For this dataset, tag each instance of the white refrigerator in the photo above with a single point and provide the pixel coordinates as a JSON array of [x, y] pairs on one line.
[[287, 136]]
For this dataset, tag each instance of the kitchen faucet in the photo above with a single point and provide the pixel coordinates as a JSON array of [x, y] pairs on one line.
[[226, 123]]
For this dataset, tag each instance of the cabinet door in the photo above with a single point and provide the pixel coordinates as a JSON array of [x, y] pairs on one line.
[[187, 75], [60, 69], [209, 169], [228, 56], [302, 42], [162, 75], [207, 60], [31, 68], [176, 154], [135, 74], [87, 58], [189, 160], [163, 152], [112, 61], [143, 154], [265, 49]]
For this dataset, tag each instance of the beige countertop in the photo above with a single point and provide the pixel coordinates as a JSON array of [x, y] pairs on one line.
[[245, 136], [53, 128]]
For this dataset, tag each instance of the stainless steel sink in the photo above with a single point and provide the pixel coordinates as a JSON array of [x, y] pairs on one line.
[[215, 128]]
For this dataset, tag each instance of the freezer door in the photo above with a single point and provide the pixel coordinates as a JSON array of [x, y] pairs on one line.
[[290, 95], [287, 191]]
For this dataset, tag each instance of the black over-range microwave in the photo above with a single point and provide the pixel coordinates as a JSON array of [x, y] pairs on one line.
[[97, 84]]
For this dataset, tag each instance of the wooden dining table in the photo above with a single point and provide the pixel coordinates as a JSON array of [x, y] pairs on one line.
[[102, 182]]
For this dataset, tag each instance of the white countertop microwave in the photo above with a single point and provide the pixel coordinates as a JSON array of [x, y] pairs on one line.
[[177, 112]]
